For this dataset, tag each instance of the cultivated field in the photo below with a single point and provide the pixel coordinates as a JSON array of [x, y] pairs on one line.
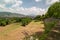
[[17, 32]]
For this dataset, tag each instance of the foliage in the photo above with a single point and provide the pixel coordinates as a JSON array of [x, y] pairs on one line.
[[37, 18], [17, 19], [40, 17], [6, 21], [25, 21], [48, 28], [54, 10]]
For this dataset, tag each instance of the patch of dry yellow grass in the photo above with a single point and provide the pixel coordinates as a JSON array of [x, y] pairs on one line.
[[21, 32]]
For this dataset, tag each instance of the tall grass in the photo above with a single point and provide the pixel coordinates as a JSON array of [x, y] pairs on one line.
[[48, 27]]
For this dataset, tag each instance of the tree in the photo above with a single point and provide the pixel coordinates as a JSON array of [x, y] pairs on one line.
[[43, 17], [25, 21], [54, 10], [37, 18]]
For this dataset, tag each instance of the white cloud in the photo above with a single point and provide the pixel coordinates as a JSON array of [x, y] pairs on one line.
[[17, 4], [26, 11], [37, 0], [7, 1], [32, 10], [48, 2], [15, 8]]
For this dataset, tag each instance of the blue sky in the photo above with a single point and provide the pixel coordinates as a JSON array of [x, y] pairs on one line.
[[27, 7], [31, 3]]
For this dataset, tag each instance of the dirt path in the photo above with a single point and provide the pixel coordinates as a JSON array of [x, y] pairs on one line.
[[21, 32]]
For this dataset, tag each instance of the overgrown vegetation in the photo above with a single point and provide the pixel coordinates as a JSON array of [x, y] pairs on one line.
[[6, 21], [48, 27], [26, 21], [39, 18], [54, 10]]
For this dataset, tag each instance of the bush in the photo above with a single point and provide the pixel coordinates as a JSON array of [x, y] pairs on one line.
[[54, 10], [25, 21], [17, 19], [48, 28], [2, 23], [6, 21], [37, 18]]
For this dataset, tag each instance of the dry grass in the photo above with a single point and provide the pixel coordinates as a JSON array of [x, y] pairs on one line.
[[17, 32]]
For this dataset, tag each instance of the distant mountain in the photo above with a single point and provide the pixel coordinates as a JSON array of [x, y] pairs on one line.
[[9, 14]]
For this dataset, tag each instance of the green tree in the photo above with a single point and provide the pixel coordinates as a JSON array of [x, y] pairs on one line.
[[25, 21], [37, 18], [54, 10]]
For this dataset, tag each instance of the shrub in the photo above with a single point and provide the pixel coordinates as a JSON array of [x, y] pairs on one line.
[[26, 21], [37, 18], [48, 28], [54, 10], [2, 23]]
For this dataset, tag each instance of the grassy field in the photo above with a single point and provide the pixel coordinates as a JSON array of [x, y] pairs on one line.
[[8, 28], [17, 32]]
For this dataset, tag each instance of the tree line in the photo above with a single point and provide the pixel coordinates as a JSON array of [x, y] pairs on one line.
[[6, 21]]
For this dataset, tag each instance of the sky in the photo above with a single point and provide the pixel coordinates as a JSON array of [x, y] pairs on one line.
[[27, 7]]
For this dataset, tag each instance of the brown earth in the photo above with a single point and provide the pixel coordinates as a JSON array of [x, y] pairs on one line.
[[21, 32]]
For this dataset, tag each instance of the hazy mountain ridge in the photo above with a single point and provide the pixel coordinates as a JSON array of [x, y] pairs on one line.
[[9, 14]]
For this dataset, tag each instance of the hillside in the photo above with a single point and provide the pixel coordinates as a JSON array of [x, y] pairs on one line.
[[17, 32], [9, 14]]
